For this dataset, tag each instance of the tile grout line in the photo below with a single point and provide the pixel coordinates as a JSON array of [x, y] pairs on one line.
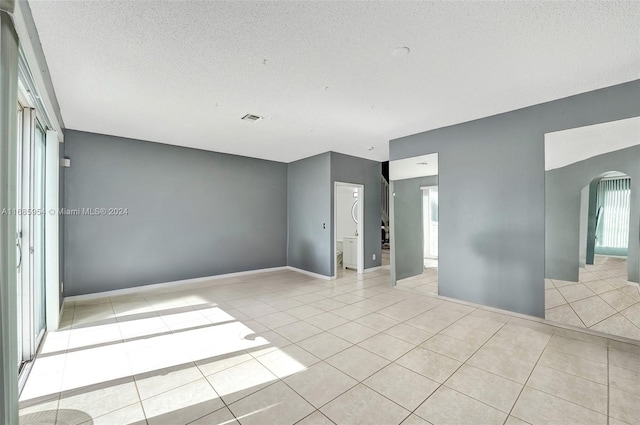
[[458, 368], [361, 382], [378, 332], [608, 387], [571, 307], [529, 377]]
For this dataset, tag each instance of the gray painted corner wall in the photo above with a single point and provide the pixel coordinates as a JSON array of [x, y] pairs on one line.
[[591, 224], [191, 213], [408, 224], [310, 195], [491, 194], [350, 169], [584, 226], [309, 214], [563, 188]]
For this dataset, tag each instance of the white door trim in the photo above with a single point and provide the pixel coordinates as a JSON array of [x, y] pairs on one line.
[[52, 234], [360, 226]]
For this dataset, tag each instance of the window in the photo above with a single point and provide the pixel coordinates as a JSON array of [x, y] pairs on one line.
[[612, 225]]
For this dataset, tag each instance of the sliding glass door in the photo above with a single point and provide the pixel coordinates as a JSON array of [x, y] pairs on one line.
[[18, 218], [37, 246], [30, 224]]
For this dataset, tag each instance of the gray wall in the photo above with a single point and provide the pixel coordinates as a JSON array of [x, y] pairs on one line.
[[563, 186], [491, 194], [310, 214], [408, 224], [584, 226], [350, 169], [192, 213], [591, 223]]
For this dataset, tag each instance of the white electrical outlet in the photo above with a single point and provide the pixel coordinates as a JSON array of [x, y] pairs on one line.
[[374, 256]]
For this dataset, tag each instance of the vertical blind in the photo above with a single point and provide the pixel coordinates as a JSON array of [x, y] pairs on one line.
[[613, 200]]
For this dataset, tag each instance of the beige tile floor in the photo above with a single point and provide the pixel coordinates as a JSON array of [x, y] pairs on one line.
[[602, 300], [427, 282], [284, 348]]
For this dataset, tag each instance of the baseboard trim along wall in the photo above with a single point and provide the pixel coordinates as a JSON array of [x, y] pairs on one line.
[[196, 280], [312, 274], [154, 286], [372, 269]]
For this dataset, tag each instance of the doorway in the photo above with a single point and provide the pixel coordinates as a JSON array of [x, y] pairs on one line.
[[430, 225], [414, 223], [348, 229]]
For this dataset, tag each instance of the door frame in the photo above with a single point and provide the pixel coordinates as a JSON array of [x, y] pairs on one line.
[[30, 338], [360, 225]]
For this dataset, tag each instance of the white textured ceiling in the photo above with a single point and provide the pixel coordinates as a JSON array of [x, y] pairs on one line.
[[565, 147], [322, 73]]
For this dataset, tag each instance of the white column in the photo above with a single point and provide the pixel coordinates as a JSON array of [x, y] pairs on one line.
[[52, 233]]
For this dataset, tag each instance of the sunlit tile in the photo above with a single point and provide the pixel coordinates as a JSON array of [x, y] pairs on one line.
[[42, 413], [158, 381], [216, 364], [219, 417], [94, 335], [276, 404], [241, 380], [183, 404], [146, 327], [99, 399], [287, 361], [96, 365], [130, 415]]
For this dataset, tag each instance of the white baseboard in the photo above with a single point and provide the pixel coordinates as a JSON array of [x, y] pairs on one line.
[[372, 269], [319, 276], [154, 286]]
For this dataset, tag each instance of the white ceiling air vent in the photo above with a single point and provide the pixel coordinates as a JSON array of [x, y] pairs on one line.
[[251, 118]]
